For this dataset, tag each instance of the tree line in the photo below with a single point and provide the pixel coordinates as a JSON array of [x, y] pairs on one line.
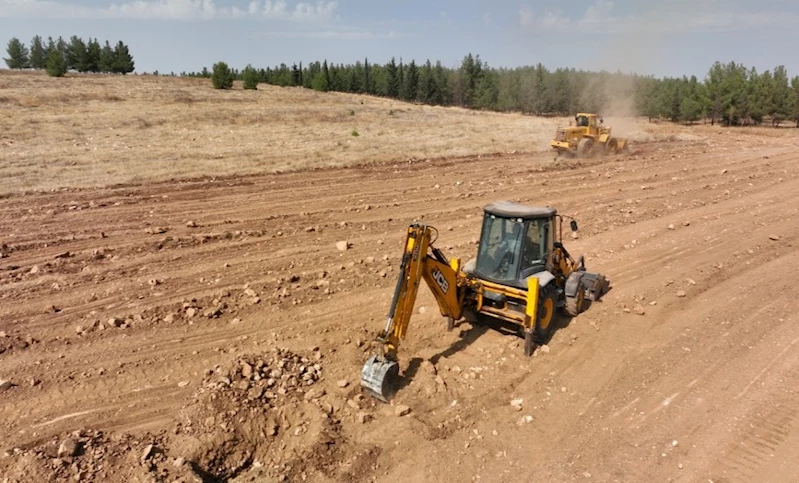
[[731, 93], [58, 57]]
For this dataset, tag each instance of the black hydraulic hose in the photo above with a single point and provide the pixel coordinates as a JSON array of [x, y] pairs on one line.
[[398, 288]]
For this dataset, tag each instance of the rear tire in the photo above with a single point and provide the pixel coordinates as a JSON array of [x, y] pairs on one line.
[[545, 322], [612, 147], [574, 305]]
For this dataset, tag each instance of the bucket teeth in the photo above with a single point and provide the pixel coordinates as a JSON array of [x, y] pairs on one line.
[[379, 377]]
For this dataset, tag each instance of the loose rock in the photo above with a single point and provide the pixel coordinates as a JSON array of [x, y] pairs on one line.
[[342, 383], [342, 245], [681, 293], [402, 410], [638, 309], [68, 448]]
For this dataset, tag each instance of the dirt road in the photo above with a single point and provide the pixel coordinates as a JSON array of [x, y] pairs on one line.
[[115, 302]]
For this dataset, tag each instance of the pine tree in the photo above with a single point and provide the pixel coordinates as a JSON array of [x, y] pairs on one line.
[[107, 58], [56, 63], [367, 77], [393, 78], [296, 75], [38, 53], [123, 61], [795, 105], [93, 55], [410, 84], [426, 91], [249, 77], [17, 54], [780, 96], [77, 58], [222, 77]]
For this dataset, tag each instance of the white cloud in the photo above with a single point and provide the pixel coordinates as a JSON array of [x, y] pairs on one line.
[[333, 34], [173, 10], [526, 16], [695, 16]]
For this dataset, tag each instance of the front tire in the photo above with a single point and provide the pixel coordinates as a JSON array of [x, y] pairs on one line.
[[574, 305], [585, 147]]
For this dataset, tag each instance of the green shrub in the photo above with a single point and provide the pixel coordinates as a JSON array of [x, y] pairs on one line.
[[222, 77]]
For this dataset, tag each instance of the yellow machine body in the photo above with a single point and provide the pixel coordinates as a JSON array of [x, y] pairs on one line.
[[587, 137]]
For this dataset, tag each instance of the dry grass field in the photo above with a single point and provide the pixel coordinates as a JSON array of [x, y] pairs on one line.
[[88, 130], [210, 329]]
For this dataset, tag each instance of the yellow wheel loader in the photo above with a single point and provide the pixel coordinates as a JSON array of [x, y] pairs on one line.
[[521, 275], [587, 138]]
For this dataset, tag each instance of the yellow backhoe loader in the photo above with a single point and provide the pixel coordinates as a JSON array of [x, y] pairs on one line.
[[587, 137], [522, 274]]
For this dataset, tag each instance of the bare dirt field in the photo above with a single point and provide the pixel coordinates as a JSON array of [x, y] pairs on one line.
[[208, 329]]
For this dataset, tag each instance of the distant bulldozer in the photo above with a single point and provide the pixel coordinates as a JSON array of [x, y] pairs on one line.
[[587, 138]]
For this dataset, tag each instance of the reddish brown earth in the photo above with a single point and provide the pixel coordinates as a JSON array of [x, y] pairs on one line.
[[704, 386]]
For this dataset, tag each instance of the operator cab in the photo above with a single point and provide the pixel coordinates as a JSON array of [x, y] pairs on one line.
[[516, 241]]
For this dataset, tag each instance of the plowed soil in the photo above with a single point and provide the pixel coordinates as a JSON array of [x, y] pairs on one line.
[[120, 306]]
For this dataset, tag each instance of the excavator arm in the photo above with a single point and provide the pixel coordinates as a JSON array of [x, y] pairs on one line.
[[420, 261]]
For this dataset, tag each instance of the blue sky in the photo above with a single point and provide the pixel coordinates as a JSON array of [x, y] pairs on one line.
[[662, 38]]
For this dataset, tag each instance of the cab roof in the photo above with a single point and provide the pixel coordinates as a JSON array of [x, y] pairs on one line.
[[509, 209]]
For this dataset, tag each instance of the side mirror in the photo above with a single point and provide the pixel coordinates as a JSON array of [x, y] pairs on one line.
[[573, 225]]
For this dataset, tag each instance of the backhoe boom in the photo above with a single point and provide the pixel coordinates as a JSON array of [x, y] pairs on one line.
[[420, 261]]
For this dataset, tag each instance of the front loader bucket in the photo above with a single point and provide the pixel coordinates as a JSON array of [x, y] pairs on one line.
[[596, 285], [379, 377]]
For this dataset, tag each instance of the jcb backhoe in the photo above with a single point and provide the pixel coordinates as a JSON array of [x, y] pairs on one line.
[[522, 273]]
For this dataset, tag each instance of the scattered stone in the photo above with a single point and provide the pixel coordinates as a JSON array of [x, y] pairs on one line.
[[526, 419], [191, 312], [724, 171], [638, 309], [363, 417], [3, 334], [671, 226], [213, 312], [5, 385], [64, 255], [148, 452], [115, 322], [686, 223], [402, 410], [674, 443], [169, 318], [191, 224], [246, 370], [773, 237], [314, 393], [156, 230], [153, 282], [68, 448], [544, 348], [517, 403], [654, 302], [183, 383], [342, 245], [179, 462], [681, 293], [250, 293], [575, 235], [680, 466], [342, 383], [34, 270]]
